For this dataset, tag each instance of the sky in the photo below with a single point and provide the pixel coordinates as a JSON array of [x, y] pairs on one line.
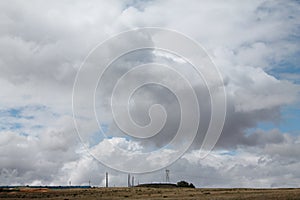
[[254, 44]]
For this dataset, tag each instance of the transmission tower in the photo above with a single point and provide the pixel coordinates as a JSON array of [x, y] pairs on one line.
[[167, 176]]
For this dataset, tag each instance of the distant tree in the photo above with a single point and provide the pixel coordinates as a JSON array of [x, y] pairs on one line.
[[185, 184], [182, 184]]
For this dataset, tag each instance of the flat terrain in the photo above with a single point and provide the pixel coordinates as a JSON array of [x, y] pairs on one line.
[[149, 193]]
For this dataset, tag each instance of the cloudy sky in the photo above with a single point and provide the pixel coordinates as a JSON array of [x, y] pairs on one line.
[[255, 45]]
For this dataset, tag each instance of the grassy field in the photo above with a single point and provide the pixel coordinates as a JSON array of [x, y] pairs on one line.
[[149, 193]]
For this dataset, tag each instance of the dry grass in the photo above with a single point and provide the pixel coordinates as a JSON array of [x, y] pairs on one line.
[[150, 193]]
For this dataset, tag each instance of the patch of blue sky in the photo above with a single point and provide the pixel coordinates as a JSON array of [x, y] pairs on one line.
[[266, 126], [24, 134], [290, 119], [15, 112], [138, 4], [11, 112], [98, 136], [229, 153], [289, 123], [22, 111], [16, 126], [19, 112], [11, 126], [14, 118], [104, 128], [287, 69]]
